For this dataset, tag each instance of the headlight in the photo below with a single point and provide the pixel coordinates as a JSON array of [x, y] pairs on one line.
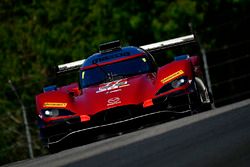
[[51, 113], [172, 85], [56, 112], [178, 82]]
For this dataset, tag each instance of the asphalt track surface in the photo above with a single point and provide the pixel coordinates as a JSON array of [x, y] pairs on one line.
[[219, 137]]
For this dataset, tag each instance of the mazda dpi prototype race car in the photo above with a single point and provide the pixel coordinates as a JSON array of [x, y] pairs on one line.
[[117, 85]]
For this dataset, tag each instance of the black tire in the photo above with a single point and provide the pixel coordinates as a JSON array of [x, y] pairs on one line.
[[196, 102]]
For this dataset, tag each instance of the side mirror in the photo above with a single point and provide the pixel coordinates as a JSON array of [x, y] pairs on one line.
[[74, 92]]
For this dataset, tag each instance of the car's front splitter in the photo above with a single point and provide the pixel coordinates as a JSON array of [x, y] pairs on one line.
[[86, 129]]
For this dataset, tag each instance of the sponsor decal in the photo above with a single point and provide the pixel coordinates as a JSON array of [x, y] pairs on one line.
[[172, 76], [113, 101], [110, 56], [112, 85], [116, 90], [52, 104]]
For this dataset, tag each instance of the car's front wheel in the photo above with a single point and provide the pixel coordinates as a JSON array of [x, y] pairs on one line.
[[201, 99]]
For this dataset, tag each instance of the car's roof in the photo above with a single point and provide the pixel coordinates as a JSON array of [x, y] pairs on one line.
[[112, 55]]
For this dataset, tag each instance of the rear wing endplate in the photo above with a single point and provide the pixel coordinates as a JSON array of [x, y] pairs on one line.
[[70, 66], [163, 45]]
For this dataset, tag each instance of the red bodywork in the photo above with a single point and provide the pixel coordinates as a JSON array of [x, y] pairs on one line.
[[133, 90]]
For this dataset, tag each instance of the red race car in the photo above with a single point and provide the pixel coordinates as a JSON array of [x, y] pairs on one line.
[[117, 85]]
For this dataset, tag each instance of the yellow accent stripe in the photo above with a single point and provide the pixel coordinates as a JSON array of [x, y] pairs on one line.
[[50, 104], [170, 77]]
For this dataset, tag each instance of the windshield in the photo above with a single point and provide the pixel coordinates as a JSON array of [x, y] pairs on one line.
[[114, 71]]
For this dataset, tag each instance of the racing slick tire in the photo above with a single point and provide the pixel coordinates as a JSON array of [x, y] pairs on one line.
[[202, 99]]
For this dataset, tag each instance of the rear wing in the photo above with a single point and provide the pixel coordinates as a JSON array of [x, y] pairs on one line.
[[154, 47], [163, 45]]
